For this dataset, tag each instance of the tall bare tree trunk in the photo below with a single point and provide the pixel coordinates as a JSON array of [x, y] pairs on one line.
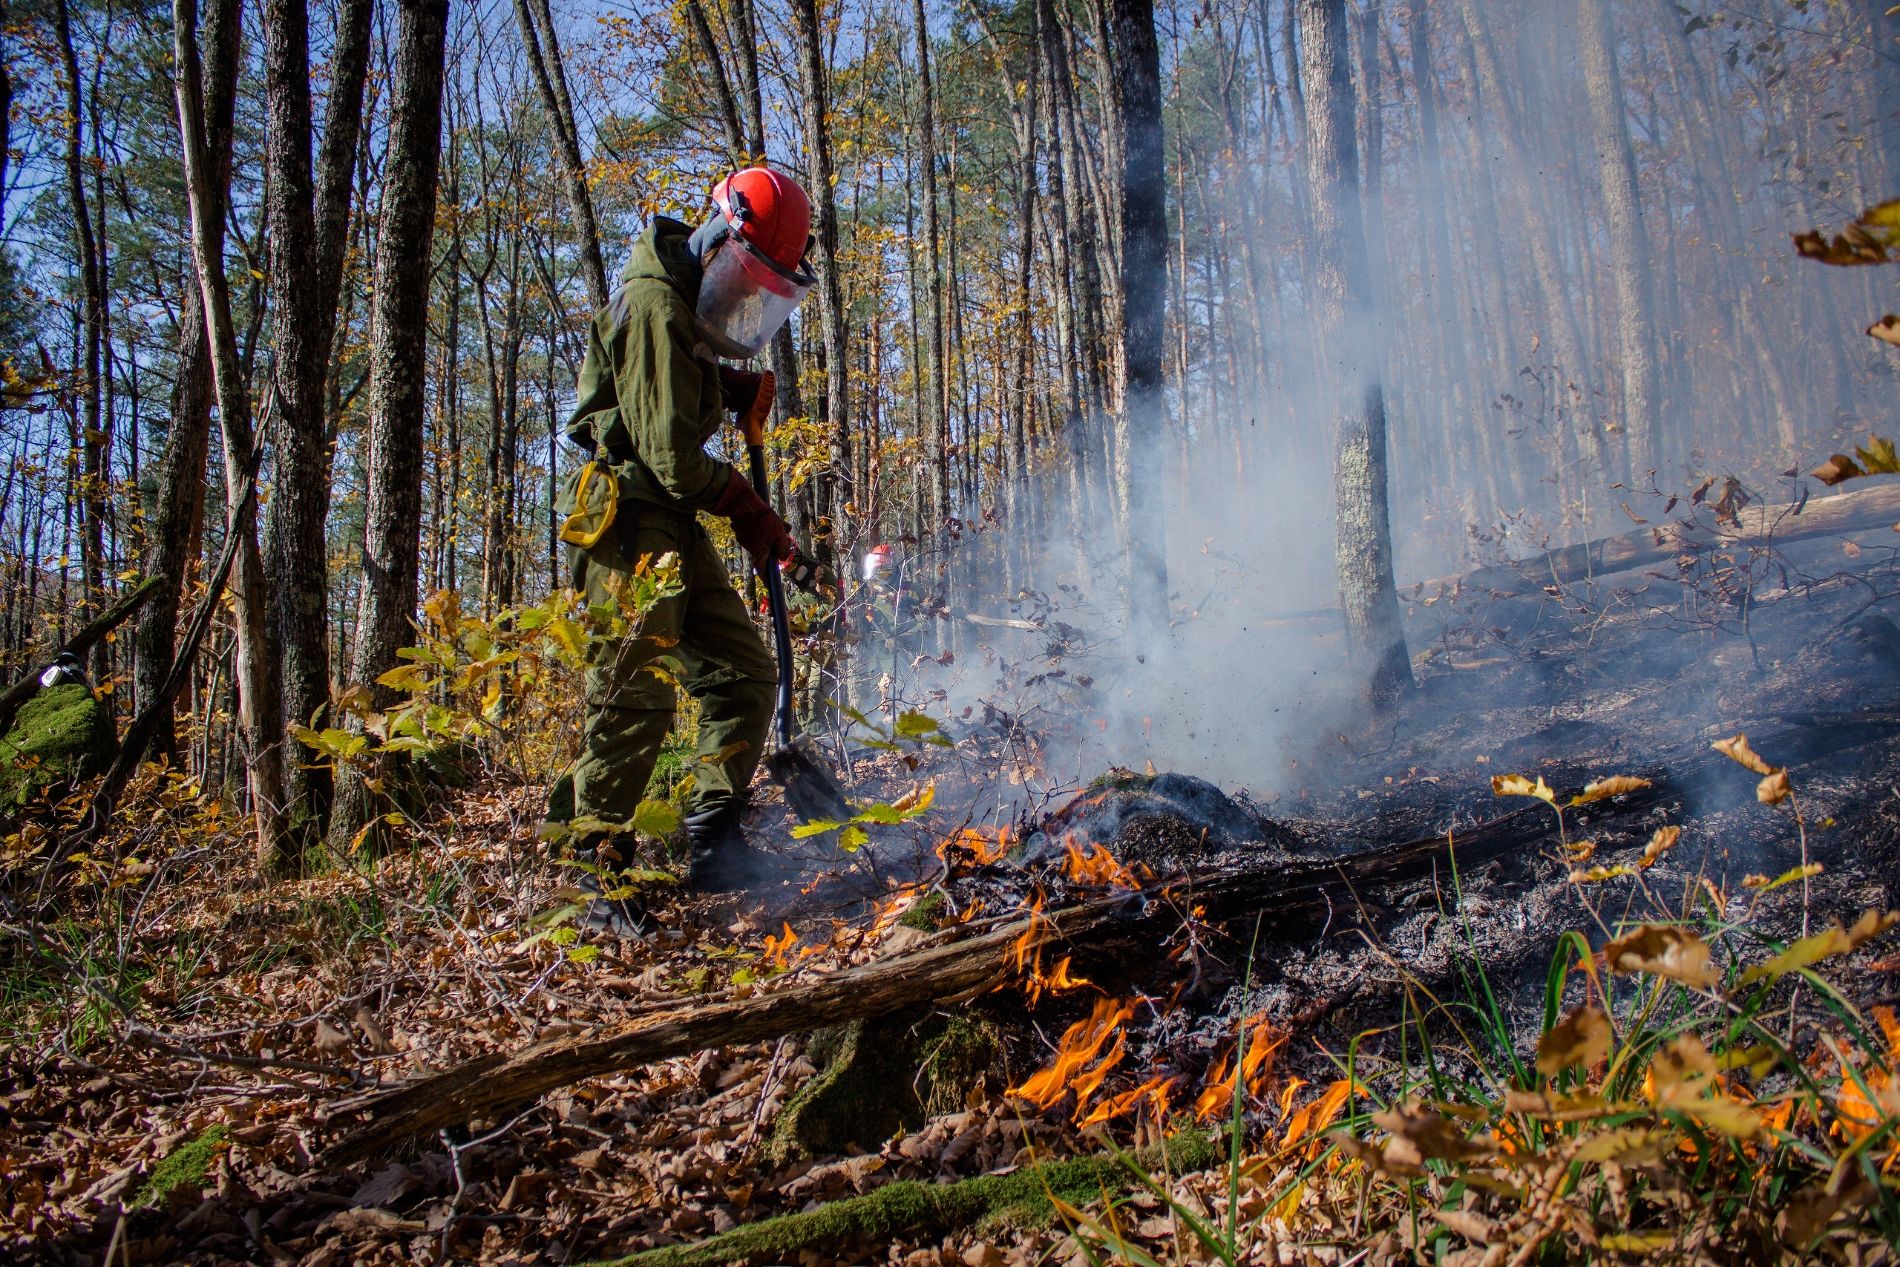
[[259, 702], [1630, 258], [1343, 306], [307, 220], [178, 510], [1566, 339], [932, 411], [397, 359], [815, 111], [536, 24], [1140, 465], [92, 267]]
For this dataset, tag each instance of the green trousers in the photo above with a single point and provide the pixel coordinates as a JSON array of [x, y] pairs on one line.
[[630, 706]]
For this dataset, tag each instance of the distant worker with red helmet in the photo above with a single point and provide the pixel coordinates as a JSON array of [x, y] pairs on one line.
[[652, 392]]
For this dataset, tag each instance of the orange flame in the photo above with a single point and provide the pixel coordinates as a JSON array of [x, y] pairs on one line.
[[1080, 1062], [1096, 867], [1306, 1125], [1155, 1093], [1058, 981], [1258, 1047], [1213, 1098], [983, 845], [777, 947], [1026, 951], [892, 908]]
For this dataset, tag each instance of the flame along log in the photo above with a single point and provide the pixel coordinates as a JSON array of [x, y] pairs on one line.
[[1289, 901]]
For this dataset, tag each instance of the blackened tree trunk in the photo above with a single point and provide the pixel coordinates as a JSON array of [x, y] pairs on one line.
[[397, 363], [815, 110], [260, 703], [1350, 350], [1140, 460], [178, 513], [307, 218], [1630, 261]]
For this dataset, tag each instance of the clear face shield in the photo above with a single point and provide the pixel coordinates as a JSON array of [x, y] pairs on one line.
[[745, 296]]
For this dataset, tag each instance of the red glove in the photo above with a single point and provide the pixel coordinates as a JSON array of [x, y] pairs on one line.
[[758, 528], [740, 388]]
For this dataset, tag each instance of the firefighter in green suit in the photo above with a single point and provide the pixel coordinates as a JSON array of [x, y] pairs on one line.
[[652, 392]]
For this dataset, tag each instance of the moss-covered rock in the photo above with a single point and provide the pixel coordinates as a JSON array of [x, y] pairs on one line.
[[185, 1169], [879, 1076], [60, 736]]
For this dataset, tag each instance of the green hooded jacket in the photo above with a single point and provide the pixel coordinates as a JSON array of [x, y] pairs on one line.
[[649, 389]]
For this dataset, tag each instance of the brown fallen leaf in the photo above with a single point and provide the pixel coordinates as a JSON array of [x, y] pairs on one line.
[[330, 1040], [1659, 844], [373, 1032], [1604, 789], [1736, 749], [1663, 950], [1774, 789], [1838, 469], [1580, 1040]]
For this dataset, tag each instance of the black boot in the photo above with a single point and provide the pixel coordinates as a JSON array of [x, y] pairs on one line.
[[722, 860]]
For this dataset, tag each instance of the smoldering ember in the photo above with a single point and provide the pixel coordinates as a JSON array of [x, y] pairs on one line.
[[997, 632]]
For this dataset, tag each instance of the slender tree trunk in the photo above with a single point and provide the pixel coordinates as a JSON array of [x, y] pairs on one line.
[[536, 24], [815, 110], [259, 700], [1343, 306], [398, 356], [1630, 258], [933, 414], [1140, 455], [89, 353], [307, 218], [178, 511], [1565, 337]]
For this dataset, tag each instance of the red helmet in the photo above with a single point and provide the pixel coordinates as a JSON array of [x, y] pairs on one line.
[[748, 289], [769, 210]]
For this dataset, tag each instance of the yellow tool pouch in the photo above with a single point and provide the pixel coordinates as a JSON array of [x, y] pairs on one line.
[[594, 494]]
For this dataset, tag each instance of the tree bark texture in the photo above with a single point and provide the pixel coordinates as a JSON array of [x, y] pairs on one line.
[[933, 404], [815, 112], [398, 354], [1140, 458], [306, 217], [536, 24], [260, 708], [1350, 335], [178, 509], [92, 425]]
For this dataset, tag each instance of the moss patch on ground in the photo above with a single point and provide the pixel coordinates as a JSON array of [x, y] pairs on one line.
[[186, 1167], [61, 735], [909, 1211]]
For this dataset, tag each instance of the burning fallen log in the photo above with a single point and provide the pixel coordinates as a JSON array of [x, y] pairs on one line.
[[1283, 900], [1286, 900]]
